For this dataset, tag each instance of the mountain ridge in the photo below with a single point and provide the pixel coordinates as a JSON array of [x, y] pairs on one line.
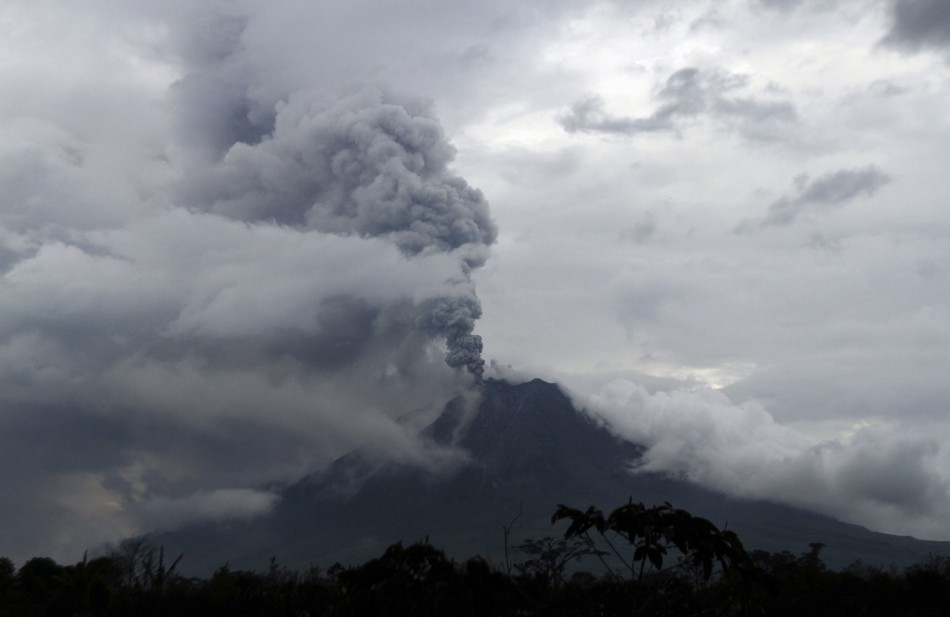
[[528, 449]]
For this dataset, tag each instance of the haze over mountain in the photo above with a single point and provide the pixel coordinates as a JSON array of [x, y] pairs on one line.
[[526, 449], [239, 240]]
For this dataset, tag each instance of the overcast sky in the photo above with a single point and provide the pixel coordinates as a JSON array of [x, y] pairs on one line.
[[238, 239]]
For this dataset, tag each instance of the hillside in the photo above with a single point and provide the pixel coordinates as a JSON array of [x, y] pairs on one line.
[[529, 449]]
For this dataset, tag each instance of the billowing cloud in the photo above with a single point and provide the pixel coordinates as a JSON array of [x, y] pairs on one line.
[[687, 93], [365, 167], [286, 277], [870, 474]]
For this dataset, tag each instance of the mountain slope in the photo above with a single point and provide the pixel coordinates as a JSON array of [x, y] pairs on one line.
[[529, 450]]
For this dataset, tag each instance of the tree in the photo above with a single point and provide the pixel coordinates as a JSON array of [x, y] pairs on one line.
[[548, 557], [7, 573], [652, 531], [143, 564], [650, 534]]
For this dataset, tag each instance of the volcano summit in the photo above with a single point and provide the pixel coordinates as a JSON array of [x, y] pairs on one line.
[[525, 448]]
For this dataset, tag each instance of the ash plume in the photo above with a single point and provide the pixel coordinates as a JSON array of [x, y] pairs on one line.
[[455, 318], [369, 166], [238, 282]]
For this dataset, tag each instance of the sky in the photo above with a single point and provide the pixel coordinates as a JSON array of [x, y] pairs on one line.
[[239, 239]]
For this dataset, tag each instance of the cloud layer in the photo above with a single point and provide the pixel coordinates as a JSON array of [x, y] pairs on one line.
[[279, 277], [919, 24], [874, 473], [237, 240], [688, 93]]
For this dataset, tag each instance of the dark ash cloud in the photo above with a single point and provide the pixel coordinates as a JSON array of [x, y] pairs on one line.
[[366, 166], [369, 165], [688, 93], [919, 24]]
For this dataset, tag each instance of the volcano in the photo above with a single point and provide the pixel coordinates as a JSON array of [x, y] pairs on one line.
[[527, 449]]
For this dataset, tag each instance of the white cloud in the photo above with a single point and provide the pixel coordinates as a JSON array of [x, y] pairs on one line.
[[873, 474], [216, 505]]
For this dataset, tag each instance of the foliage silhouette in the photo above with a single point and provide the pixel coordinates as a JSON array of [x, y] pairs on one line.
[[711, 575], [548, 557], [651, 532]]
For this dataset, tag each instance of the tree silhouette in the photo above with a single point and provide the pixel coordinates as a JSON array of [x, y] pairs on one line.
[[652, 531], [548, 557]]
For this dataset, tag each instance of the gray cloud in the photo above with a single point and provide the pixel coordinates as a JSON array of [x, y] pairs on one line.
[[828, 191], [642, 231], [588, 116], [780, 4], [456, 319], [366, 166], [194, 353], [196, 342], [279, 276], [919, 24], [687, 93], [370, 165], [216, 505]]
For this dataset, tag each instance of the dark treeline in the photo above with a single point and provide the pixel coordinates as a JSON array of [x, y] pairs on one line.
[[643, 561]]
